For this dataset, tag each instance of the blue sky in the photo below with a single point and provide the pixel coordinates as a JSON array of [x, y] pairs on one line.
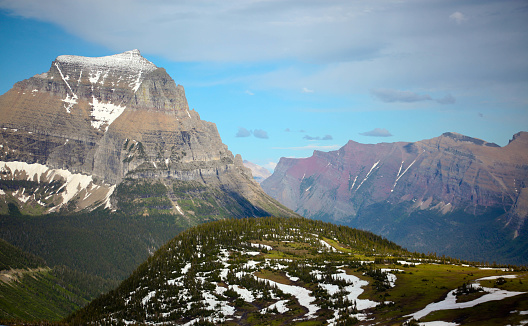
[[284, 78]]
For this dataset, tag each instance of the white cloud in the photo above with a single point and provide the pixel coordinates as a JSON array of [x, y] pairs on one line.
[[243, 132], [348, 46], [306, 90], [259, 133], [458, 17], [248, 92], [394, 95], [377, 132]]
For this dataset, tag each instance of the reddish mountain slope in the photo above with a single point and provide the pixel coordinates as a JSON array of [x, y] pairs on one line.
[[443, 176]]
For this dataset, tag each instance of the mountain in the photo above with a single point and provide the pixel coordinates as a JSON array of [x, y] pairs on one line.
[[418, 193], [296, 271], [102, 162], [259, 173], [71, 135]]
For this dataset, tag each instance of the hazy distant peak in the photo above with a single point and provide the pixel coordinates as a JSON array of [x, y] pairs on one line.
[[259, 173]]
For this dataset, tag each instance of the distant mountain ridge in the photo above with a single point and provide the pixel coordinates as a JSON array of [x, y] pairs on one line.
[[373, 185], [259, 173]]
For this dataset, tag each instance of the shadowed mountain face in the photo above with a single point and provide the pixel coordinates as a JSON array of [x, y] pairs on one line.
[[410, 192], [115, 118]]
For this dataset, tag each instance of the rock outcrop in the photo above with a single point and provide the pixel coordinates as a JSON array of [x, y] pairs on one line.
[[119, 117]]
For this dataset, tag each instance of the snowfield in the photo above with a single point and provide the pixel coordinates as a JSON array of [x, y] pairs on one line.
[[493, 294]]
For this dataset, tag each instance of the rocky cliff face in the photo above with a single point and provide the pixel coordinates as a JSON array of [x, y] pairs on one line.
[[444, 176], [115, 118]]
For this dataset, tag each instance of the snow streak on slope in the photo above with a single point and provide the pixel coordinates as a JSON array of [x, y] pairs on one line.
[[71, 101], [368, 174]]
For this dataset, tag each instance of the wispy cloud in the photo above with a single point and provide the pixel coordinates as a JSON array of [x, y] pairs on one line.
[[243, 132], [326, 137], [289, 130], [248, 92], [312, 147], [448, 99], [398, 96], [306, 90], [394, 95], [377, 132]]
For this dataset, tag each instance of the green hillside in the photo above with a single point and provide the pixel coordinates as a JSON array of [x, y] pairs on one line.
[[101, 243], [276, 271], [30, 290]]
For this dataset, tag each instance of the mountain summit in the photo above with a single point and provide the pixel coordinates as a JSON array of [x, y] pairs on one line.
[[117, 120]]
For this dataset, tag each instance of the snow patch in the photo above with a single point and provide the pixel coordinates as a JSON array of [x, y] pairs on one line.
[[302, 295], [493, 294], [328, 246], [260, 245], [245, 294], [148, 297], [178, 208], [130, 60], [279, 305], [186, 268], [137, 83], [70, 101], [104, 113]]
